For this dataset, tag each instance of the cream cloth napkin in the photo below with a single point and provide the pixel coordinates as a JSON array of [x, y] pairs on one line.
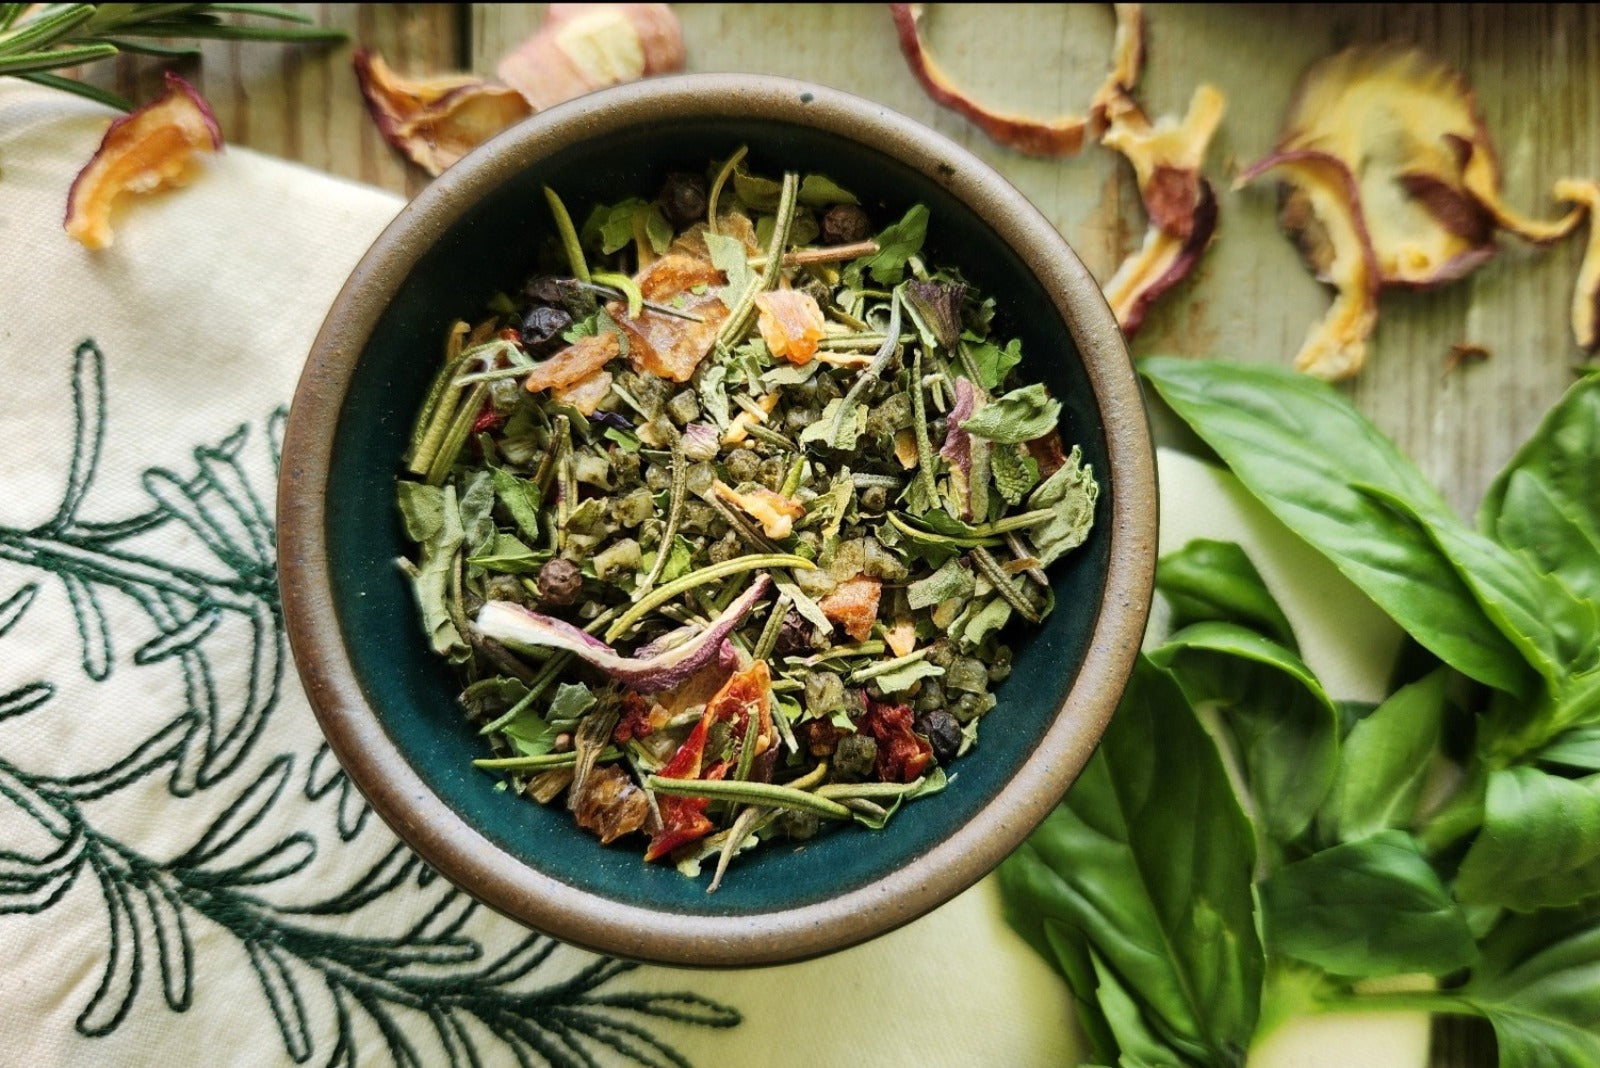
[[184, 870]]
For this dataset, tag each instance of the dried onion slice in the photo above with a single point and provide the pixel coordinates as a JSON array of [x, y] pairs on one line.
[[1586, 294], [435, 121], [1061, 136], [1334, 239], [150, 148], [1181, 205]]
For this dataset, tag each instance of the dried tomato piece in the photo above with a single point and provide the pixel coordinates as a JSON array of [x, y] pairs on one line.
[[145, 150], [610, 805], [665, 345], [903, 755], [583, 47], [791, 324], [747, 693], [853, 604], [1061, 136], [574, 363], [435, 121], [634, 720], [775, 512]]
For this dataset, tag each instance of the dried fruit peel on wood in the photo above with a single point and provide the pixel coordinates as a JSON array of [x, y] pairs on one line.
[[1340, 251], [1060, 136], [1407, 128], [1182, 207], [435, 121], [150, 148], [1586, 293], [583, 47]]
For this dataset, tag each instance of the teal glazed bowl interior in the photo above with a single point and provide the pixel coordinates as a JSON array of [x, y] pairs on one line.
[[387, 703]]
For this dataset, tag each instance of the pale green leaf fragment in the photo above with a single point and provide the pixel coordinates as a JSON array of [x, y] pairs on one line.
[[422, 510], [521, 499], [995, 363], [841, 436], [714, 394], [817, 191], [903, 678], [530, 734], [729, 256], [973, 626], [572, 700], [951, 580], [1071, 493], [509, 555], [1021, 415], [477, 508], [435, 516], [1015, 473]]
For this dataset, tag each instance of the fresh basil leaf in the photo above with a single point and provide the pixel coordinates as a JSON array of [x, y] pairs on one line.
[[1385, 761], [1577, 748], [1072, 959], [1150, 858], [1540, 842], [1539, 985], [520, 498], [1071, 493], [1301, 448], [508, 555], [897, 244], [1546, 502], [614, 226], [1215, 580], [1135, 1042], [993, 362], [1366, 908], [1286, 726], [1021, 415]]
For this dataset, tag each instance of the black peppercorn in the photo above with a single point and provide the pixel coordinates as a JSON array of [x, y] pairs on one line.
[[794, 637], [845, 224], [542, 327], [683, 199], [560, 581], [943, 733]]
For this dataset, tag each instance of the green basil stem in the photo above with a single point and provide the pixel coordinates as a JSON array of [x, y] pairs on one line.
[[721, 180], [918, 534], [569, 235], [839, 791], [844, 652], [544, 762], [1002, 583], [769, 633], [742, 825], [627, 287], [762, 432], [880, 360], [970, 366], [737, 566], [680, 486], [750, 793], [456, 436], [919, 411], [886, 666]]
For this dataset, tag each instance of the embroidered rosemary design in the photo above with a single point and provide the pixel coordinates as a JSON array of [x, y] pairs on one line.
[[433, 992]]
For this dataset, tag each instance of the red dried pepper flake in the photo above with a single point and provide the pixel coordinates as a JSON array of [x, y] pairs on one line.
[[902, 754], [683, 819], [634, 722], [747, 693], [145, 150], [487, 419]]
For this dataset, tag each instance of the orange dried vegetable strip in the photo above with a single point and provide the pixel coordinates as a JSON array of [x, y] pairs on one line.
[[665, 345], [791, 323], [1061, 136], [853, 604], [435, 121], [578, 361], [585, 395], [775, 512], [147, 149]]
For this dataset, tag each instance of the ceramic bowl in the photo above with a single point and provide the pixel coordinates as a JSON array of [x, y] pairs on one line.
[[386, 703]]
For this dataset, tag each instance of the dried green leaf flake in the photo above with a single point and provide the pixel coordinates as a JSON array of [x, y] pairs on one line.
[[1021, 415], [1071, 494]]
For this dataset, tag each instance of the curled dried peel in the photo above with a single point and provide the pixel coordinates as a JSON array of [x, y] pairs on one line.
[[1061, 136], [147, 149], [583, 47], [1181, 205], [435, 121], [1407, 128], [1336, 347], [1586, 293]]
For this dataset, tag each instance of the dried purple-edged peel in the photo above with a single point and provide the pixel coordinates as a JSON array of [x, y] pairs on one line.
[[653, 672], [1061, 136], [1586, 293], [1336, 347], [1406, 126], [435, 121], [1166, 157]]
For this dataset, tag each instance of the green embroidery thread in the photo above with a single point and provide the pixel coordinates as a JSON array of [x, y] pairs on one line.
[[430, 980]]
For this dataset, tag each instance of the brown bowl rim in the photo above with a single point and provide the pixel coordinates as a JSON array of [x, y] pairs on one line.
[[459, 852]]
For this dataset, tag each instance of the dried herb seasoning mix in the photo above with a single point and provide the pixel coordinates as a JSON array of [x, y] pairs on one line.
[[721, 523]]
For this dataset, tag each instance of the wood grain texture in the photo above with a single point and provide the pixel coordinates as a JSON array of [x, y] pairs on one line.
[[1535, 68]]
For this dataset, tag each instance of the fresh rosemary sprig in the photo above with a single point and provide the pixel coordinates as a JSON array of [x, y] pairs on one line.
[[38, 38]]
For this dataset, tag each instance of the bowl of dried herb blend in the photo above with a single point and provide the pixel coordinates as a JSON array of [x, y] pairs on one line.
[[716, 482]]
